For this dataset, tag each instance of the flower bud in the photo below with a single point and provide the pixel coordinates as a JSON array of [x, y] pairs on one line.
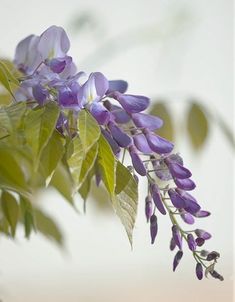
[[177, 259], [185, 184], [172, 244], [137, 162], [176, 236], [216, 275], [200, 241], [212, 256], [203, 234], [199, 271], [148, 208], [153, 228], [157, 198], [176, 199], [191, 242]]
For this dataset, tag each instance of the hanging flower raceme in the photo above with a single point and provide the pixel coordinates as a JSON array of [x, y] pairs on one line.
[[49, 74]]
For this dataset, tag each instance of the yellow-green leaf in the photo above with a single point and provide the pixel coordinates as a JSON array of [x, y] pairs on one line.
[[62, 181], [52, 154], [39, 127], [88, 162], [15, 170], [89, 130], [197, 125], [107, 165], [86, 185], [27, 215], [48, 227], [125, 200], [7, 78], [11, 116], [10, 209], [75, 161]]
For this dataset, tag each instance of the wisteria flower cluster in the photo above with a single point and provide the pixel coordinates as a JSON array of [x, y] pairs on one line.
[[49, 74]]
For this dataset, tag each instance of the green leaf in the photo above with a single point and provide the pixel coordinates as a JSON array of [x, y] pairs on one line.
[[52, 154], [5, 99], [28, 216], [125, 200], [15, 170], [10, 209], [48, 227], [107, 165], [39, 127], [11, 116], [3, 132], [167, 130], [7, 78], [75, 161], [7, 66], [197, 126], [86, 185], [88, 162], [89, 130], [62, 181]]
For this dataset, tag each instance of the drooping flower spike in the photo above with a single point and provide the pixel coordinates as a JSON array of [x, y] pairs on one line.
[[49, 74]]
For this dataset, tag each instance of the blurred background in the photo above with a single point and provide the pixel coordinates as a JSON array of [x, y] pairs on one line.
[[180, 53]]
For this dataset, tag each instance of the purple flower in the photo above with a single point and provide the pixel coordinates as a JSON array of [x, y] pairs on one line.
[[148, 208], [93, 89], [27, 57], [185, 184], [100, 113], [177, 259], [67, 98], [176, 199], [202, 214], [153, 228], [40, 93], [191, 242], [141, 143], [212, 256], [113, 144], [203, 234], [131, 103], [199, 271], [176, 236], [191, 204], [53, 43], [157, 198], [117, 85], [143, 120], [119, 114], [120, 137], [172, 244], [137, 162], [178, 171], [62, 123], [200, 241], [57, 65], [157, 143], [187, 217]]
